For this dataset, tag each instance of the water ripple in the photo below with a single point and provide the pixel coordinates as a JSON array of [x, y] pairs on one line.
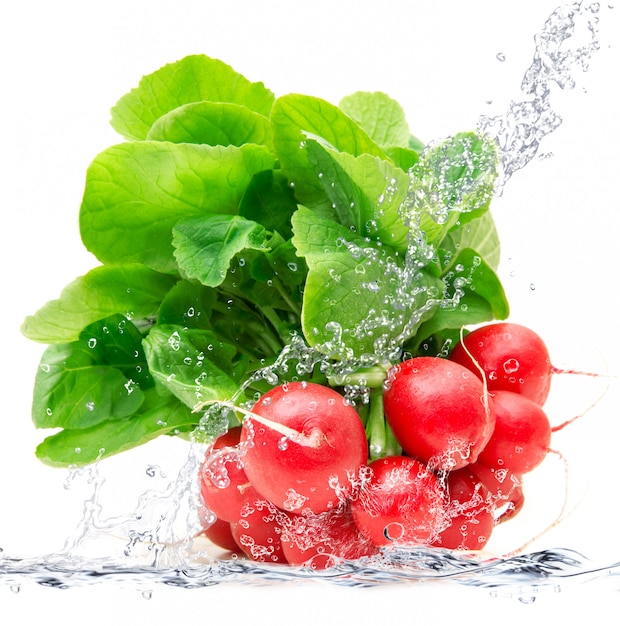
[[521, 575]]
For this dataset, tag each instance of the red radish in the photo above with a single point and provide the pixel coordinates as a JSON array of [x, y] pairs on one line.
[[220, 534], [515, 504], [224, 486], [305, 447], [402, 502], [324, 540], [470, 513], [522, 434], [513, 358], [438, 411], [505, 489], [257, 532]]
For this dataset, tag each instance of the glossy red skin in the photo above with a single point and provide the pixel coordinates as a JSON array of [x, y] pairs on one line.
[[505, 489], [437, 412], [226, 501], [513, 357], [220, 534], [296, 477], [522, 434], [324, 540], [257, 532], [402, 503], [470, 513]]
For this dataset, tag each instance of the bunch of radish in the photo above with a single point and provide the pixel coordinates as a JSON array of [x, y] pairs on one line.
[[294, 483]]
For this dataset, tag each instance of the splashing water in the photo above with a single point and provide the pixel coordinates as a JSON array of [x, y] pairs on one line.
[[521, 129], [159, 543]]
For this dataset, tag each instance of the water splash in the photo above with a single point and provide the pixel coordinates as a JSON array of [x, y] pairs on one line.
[[524, 577], [567, 42]]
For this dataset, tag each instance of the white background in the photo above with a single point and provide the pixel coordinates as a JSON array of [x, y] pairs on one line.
[[64, 64]]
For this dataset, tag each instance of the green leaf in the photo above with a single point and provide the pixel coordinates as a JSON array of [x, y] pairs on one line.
[[281, 262], [270, 201], [482, 296], [117, 341], [295, 119], [213, 123], [403, 157], [378, 188], [415, 144], [192, 79], [158, 416], [380, 116], [352, 301], [193, 364], [205, 245], [452, 177], [136, 192], [188, 304], [479, 234], [72, 390], [131, 290]]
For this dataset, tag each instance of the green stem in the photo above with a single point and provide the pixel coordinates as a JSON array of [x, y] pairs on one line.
[[364, 411], [375, 428], [295, 308], [381, 440], [373, 377], [392, 447]]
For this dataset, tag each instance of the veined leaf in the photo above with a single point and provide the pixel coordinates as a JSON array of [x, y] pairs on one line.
[[205, 245], [158, 416], [296, 118], [193, 364], [194, 78], [72, 390], [131, 290], [453, 177], [380, 116], [136, 192], [354, 300], [213, 123]]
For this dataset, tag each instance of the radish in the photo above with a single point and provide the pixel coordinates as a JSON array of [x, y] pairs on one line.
[[513, 358], [324, 540], [522, 434], [220, 534], [505, 489], [469, 510], [305, 447], [401, 502], [224, 486], [257, 532], [438, 411]]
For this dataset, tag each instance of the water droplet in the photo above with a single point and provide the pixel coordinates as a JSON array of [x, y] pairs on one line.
[[90, 406], [394, 531], [92, 342], [131, 386], [45, 367], [511, 366], [174, 341]]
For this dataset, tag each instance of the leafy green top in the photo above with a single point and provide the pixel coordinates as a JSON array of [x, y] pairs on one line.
[[232, 223]]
